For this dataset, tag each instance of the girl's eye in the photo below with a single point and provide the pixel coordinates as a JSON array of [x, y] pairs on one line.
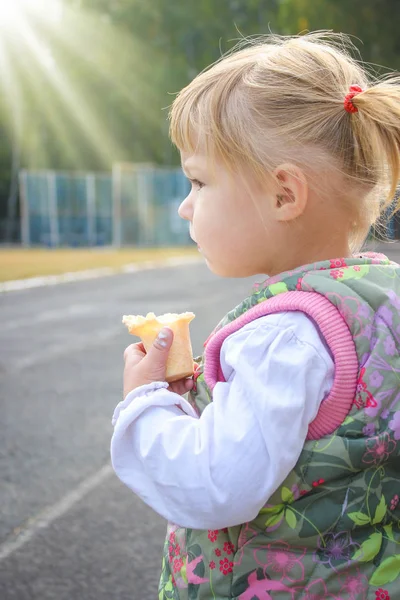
[[197, 183]]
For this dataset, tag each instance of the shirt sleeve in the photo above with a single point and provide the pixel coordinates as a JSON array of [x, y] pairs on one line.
[[220, 469]]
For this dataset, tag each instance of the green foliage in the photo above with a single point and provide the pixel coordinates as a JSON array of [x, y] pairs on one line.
[[370, 548], [359, 518], [115, 67], [372, 23], [273, 520], [287, 495], [291, 519], [387, 571], [380, 511]]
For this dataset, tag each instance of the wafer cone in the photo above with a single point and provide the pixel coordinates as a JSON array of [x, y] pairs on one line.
[[180, 358]]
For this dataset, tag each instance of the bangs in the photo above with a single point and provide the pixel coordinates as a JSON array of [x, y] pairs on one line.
[[186, 127], [211, 116]]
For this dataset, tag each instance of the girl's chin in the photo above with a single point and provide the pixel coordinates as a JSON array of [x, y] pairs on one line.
[[219, 270], [223, 270]]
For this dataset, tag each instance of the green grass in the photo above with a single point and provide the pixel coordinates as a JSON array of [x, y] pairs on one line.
[[22, 263]]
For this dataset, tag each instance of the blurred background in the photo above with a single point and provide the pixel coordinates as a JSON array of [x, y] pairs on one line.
[[89, 180], [85, 158]]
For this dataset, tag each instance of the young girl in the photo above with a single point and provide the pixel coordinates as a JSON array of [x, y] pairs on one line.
[[280, 478]]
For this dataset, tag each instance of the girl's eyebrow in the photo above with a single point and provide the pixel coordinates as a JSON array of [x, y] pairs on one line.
[[186, 169], [190, 168]]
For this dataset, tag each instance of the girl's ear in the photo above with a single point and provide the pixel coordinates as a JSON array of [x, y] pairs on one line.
[[291, 197]]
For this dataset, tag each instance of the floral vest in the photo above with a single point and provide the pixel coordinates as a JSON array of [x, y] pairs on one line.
[[332, 530]]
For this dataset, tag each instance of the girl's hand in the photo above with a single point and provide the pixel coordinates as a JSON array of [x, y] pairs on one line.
[[141, 368], [181, 387]]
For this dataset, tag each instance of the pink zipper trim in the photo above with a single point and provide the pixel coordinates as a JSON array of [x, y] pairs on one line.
[[338, 337]]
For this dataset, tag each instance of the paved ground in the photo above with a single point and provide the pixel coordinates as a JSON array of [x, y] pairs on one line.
[[60, 378], [68, 529]]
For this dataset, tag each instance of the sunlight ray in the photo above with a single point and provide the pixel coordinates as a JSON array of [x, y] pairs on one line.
[[64, 57]]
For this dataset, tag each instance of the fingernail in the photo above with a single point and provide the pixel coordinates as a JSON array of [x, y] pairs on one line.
[[162, 338]]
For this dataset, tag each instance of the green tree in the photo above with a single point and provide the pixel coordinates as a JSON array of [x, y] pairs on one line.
[[372, 23], [96, 86]]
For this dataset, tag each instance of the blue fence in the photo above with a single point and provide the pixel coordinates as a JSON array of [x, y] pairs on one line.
[[132, 206]]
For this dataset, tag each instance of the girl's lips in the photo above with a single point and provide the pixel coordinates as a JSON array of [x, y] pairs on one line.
[[198, 247]]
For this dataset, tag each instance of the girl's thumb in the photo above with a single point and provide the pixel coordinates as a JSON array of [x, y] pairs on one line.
[[156, 358]]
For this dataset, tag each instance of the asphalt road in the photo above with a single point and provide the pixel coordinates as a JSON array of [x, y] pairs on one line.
[[68, 529]]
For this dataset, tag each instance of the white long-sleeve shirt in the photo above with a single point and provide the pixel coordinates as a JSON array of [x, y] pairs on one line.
[[218, 470]]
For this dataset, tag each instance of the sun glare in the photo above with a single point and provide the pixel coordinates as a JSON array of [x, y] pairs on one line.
[[13, 13], [45, 48]]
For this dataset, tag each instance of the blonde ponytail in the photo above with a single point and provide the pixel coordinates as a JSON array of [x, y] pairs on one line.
[[376, 128]]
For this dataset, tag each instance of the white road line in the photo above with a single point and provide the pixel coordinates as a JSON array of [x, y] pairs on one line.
[[52, 513], [34, 282]]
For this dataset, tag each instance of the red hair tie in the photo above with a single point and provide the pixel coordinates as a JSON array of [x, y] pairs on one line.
[[348, 101]]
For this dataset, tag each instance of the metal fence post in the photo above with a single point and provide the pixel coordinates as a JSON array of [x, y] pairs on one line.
[[91, 208], [23, 194], [116, 200], [146, 233], [53, 208]]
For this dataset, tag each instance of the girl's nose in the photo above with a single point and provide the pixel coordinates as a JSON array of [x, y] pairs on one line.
[[185, 211]]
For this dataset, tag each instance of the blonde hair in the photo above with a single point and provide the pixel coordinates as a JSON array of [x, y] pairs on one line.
[[281, 99]]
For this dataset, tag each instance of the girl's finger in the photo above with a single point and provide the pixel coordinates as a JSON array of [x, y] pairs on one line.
[[177, 388], [189, 383], [181, 387], [136, 350]]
